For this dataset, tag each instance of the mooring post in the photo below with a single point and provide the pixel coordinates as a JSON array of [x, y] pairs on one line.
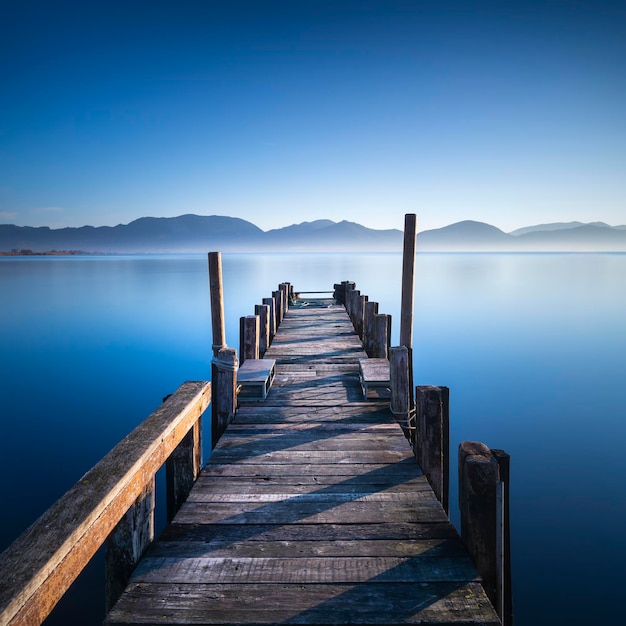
[[504, 540], [479, 475], [271, 317], [127, 543], [249, 338], [432, 444], [262, 310], [220, 404], [224, 392], [371, 309], [408, 287], [400, 390], [353, 301], [284, 287], [360, 315], [278, 297], [348, 286], [408, 280], [382, 336]]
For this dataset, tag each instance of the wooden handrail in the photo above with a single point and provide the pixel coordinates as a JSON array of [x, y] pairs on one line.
[[41, 564]]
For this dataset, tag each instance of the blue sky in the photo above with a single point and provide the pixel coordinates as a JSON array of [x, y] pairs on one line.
[[512, 113]]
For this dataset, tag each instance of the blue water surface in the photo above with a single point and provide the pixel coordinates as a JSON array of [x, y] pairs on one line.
[[532, 346]]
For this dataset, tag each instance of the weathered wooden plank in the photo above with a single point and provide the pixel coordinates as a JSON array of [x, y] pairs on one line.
[[245, 429], [236, 533], [311, 510], [368, 471], [327, 496], [427, 548], [307, 570], [314, 441], [433, 603], [300, 457], [295, 482], [298, 512]]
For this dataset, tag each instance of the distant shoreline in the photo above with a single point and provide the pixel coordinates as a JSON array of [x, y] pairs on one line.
[[47, 253]]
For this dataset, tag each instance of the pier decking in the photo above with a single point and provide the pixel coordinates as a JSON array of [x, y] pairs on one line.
[[311, 509]]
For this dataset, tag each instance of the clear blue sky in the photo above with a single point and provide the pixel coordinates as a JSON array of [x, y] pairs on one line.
[[512, 113]]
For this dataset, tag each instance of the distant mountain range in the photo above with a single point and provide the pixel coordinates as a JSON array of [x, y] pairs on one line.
[[196, 233]]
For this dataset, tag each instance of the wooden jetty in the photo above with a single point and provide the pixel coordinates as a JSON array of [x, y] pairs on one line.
[[324, 500], [311, 509]]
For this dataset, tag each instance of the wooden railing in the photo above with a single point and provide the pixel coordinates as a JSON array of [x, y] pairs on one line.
[[113, 503]]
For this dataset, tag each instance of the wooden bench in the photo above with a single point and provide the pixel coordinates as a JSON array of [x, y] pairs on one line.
[[374, 377], [254, 379]]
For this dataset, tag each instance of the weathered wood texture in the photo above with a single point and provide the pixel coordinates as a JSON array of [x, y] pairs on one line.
[[311, 510], [41, 564], [432, 444], [224, 404]]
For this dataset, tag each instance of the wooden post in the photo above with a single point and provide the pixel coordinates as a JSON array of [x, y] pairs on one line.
[[224, 393], [353, 297], [217, 301], [408, 273], [400, 390], [504, 540], [359, 315], [287, 288], [382, 336], [432, 444], [262, 310], [278, 297], [271, 303], [284, 289], [349, 286], [182, 468], [341, 291], [218, 328], [248, 337], [127, 543], [371, 309], [408, 282], [479, 474]]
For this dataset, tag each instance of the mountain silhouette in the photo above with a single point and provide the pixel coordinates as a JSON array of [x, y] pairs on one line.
[[200, 233]]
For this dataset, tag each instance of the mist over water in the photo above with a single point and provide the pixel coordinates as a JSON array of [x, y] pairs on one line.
[[532, 346]]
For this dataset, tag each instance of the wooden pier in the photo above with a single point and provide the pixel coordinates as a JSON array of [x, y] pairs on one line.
[[324, 501], [311, 509]]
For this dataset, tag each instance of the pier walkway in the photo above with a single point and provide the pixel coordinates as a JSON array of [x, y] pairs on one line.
[[311, 509]]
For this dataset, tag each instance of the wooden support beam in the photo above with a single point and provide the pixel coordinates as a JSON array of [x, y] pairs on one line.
[[432, 444], [217, 301], [280, 310], [262, 310], [400, 389], [182, 468], [271, 303], [371, 309], [408, 273], [248, 338], [504, 540], [127, 544], [359, 315], [224, 393], [479, 474], [382, 336], [284, 288]]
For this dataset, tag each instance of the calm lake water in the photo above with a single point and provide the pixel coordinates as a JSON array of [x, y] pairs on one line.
[[532, 346]]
